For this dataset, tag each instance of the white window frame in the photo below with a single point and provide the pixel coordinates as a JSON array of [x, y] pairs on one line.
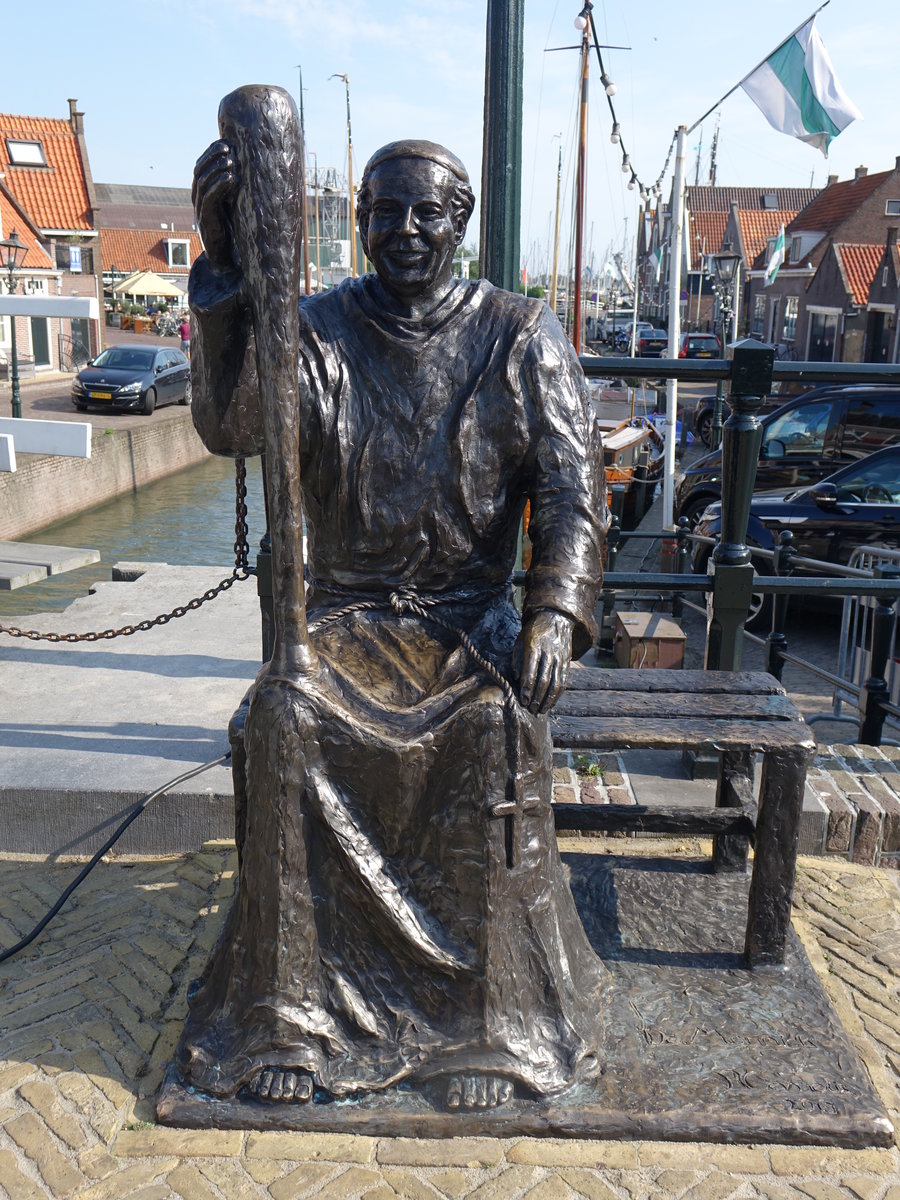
[[33, 155], [892, 208], [171, 243], [796, 248]]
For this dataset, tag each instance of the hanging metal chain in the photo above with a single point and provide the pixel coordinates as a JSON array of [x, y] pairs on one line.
[[241, 571]]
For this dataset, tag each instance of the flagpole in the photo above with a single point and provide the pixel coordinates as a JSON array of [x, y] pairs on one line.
[[676, 232], [761, 63]]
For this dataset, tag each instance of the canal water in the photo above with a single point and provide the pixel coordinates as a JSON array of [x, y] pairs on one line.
[[185, 519]]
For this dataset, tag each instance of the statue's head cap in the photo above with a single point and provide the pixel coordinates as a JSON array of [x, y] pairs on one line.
[[413, 148]]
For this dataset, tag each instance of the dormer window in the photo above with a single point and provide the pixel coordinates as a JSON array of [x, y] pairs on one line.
[[26, 152], [178, 252], [796, 248]]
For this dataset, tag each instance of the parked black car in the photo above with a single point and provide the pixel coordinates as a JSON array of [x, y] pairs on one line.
[[857, 506], [803, 441], [704, 410], [652, 343], [133, 379]]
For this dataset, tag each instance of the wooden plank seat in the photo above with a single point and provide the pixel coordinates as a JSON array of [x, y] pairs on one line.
[[736, 715]]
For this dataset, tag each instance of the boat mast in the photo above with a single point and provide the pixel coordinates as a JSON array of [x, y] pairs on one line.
[[352, 212], [554, 273], [580, 177]]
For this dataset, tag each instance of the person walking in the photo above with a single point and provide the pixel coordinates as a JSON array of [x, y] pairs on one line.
[[184, 332]]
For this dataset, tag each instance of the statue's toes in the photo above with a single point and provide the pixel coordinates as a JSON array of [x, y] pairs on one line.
[[282, 1086], [302, 1087]]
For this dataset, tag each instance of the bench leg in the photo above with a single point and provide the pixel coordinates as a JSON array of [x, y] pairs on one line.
[[775, 856], [734, 790]]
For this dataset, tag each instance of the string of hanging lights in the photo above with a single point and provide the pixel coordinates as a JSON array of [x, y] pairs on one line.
[[584, 18]]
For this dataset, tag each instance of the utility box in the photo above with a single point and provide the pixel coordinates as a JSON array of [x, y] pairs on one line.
[[648, 640]]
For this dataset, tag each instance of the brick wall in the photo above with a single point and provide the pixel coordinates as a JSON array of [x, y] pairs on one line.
[[47, 488]]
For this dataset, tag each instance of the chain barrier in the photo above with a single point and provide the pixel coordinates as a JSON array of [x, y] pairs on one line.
[[241, 572]]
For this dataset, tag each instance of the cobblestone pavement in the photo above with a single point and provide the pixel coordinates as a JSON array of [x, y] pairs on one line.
[[90, 1013]]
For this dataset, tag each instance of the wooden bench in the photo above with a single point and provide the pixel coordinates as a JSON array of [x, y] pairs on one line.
[[734, 714]]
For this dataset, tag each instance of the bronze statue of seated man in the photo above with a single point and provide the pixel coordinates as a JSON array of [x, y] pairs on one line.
[[402, 916]]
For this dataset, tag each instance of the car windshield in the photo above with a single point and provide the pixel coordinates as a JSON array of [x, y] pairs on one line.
[[121, 358], [872, 483]]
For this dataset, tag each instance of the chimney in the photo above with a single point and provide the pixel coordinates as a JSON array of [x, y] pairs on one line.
[[831, 179], [859, 173], [891, 237], [76, 118]]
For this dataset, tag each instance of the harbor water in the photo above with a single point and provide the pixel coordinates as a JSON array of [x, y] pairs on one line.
[[185, 519]]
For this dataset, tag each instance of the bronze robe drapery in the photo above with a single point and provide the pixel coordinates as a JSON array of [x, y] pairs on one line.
[[384, 928]]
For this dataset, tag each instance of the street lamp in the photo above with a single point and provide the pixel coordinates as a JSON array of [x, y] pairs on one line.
[[725, 273], [13, 255]]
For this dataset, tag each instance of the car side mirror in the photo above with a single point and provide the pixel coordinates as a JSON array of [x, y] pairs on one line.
[[158, 368], [774, 448], [825, 495]]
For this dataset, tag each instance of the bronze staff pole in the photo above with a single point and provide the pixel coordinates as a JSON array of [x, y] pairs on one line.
[[262, 127]]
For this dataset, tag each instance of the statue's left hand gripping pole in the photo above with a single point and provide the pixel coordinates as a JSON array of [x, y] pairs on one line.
[[263, 129]]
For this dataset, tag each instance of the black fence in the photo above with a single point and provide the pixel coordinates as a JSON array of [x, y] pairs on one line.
[[733, 579]]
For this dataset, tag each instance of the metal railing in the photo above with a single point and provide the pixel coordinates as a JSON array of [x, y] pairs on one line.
[[733, 579]]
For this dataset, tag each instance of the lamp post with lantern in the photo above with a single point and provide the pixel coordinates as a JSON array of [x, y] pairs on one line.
[[725, 273], [12, 255]]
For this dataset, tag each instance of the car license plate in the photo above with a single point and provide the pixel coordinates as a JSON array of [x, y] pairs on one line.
[[101, 395], [704, 353]]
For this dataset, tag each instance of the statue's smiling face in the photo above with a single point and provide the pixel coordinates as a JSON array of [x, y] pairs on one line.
[[411, 233]]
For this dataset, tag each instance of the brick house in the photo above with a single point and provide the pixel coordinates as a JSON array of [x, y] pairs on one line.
[[36, 271], [146, 229], [47, 176], [813, 306], [713, 217], [882, 342]]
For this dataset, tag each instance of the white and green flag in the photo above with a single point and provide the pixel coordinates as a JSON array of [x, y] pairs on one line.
[[776, 258], [656, 260], [798, 93]]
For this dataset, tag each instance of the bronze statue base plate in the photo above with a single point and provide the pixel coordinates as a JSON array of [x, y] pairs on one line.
[[697, 1047]]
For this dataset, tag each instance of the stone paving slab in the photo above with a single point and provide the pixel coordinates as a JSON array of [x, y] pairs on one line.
[[89, 1015]]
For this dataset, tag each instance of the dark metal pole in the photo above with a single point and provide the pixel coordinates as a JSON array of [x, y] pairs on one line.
[[751, 381], [875, 690], [776, 642], [501, 169]]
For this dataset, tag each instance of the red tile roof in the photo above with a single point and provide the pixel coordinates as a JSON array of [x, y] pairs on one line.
[[54, 196], [12, 218], [758, 227], [709, 226], [144, 250], [837, 202], [858, 263]]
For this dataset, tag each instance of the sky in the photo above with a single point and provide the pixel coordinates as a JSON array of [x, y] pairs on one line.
[[149, 77]]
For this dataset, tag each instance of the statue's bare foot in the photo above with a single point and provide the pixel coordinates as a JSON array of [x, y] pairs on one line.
[[285, 1087], [477, 1091]]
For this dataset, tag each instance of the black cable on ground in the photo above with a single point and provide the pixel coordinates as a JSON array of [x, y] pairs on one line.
[[86, 870]]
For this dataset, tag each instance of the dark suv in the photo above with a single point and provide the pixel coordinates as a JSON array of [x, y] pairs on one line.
[[803, 441]]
